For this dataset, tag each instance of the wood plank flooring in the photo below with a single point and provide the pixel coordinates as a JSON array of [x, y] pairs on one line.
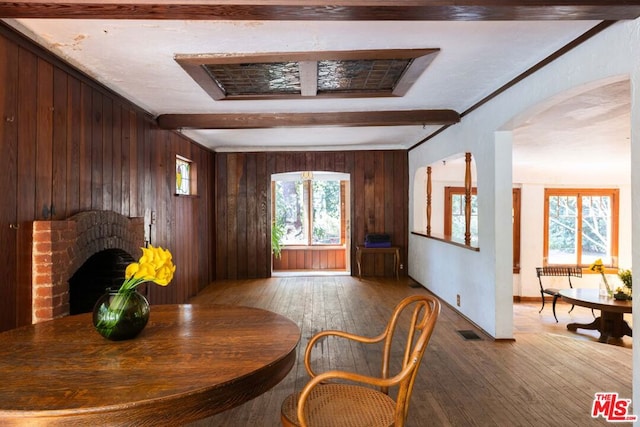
[[547, 376]]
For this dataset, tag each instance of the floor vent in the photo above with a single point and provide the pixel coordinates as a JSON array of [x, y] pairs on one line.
[[469, 335]]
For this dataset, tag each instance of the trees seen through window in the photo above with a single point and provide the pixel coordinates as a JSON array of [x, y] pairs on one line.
[[309, 211], [581, 226]]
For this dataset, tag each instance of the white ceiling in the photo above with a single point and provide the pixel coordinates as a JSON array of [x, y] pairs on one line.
[[590, 131], [136, 60]]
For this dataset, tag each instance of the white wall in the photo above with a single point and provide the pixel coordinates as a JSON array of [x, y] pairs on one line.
[[531, 237], [632, 32], [484, 279], [532, 223]]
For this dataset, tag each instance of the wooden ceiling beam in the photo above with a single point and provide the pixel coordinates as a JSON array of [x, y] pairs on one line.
[[322, 10], [275, 120]]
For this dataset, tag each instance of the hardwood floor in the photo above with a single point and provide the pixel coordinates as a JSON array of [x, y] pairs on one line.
[[547, 376]]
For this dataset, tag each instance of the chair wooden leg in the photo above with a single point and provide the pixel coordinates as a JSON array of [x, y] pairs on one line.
[[555, 298], [542, 294], [573, 307]]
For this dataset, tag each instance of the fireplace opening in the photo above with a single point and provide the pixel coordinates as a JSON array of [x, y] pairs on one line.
[[103, 270], [62, 247]]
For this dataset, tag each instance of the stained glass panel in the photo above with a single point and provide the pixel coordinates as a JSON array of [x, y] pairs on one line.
[[183, 176]]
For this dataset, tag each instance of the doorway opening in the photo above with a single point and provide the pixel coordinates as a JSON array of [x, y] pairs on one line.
[[310, 213]]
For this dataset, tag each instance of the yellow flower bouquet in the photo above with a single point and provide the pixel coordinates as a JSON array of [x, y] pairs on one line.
[[155, 265], [598, 267], [122, 314]]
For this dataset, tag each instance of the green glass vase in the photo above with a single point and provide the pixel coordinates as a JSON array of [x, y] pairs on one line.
[[120, 315]]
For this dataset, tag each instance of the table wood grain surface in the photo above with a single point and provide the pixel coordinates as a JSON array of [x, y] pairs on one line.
[[591, 298], [191, 361], [610, 323]]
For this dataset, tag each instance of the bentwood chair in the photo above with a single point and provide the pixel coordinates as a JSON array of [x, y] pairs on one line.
[[340, 398]]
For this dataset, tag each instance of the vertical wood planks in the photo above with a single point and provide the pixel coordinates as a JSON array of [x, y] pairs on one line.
[[59, 144], [44, 137], [378, 204], [73, 133], [70, 145], [96, 149], [26, 181], [85, 164], [116, 154], [221, 216], [252, 218], [262, 219], [8, 188], [107, 153]]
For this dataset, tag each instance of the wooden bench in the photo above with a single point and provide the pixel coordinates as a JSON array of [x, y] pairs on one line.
[[555, 292]]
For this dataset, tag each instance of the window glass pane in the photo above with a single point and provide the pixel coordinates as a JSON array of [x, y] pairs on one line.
[[457, 219], [326, 212], [183, 176], [474, 223], [563, 228], [596, 228], [457, 201], [290, 211]]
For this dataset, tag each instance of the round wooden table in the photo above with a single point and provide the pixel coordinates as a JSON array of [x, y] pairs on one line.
[[190, 362], [611, 323]]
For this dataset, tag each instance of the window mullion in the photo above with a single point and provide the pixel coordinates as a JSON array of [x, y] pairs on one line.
[[309, 204], [579, 229]]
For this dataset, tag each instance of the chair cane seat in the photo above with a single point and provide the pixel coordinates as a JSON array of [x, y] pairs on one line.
[[347, 399], [341, 405]]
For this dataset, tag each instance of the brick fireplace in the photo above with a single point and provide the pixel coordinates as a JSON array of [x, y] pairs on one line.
[[60, 248]]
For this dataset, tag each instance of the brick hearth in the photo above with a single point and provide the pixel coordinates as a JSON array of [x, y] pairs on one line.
[[61, 247]]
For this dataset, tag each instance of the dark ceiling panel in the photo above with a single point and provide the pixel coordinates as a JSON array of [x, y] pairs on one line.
[[256, 79], [358, 73], [375, 76]]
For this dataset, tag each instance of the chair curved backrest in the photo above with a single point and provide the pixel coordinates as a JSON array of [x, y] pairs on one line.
[[424, 311], [338, 396]]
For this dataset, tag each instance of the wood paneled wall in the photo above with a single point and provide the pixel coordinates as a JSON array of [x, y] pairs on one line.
[[379, 203], [310, 259], [69, 145]]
